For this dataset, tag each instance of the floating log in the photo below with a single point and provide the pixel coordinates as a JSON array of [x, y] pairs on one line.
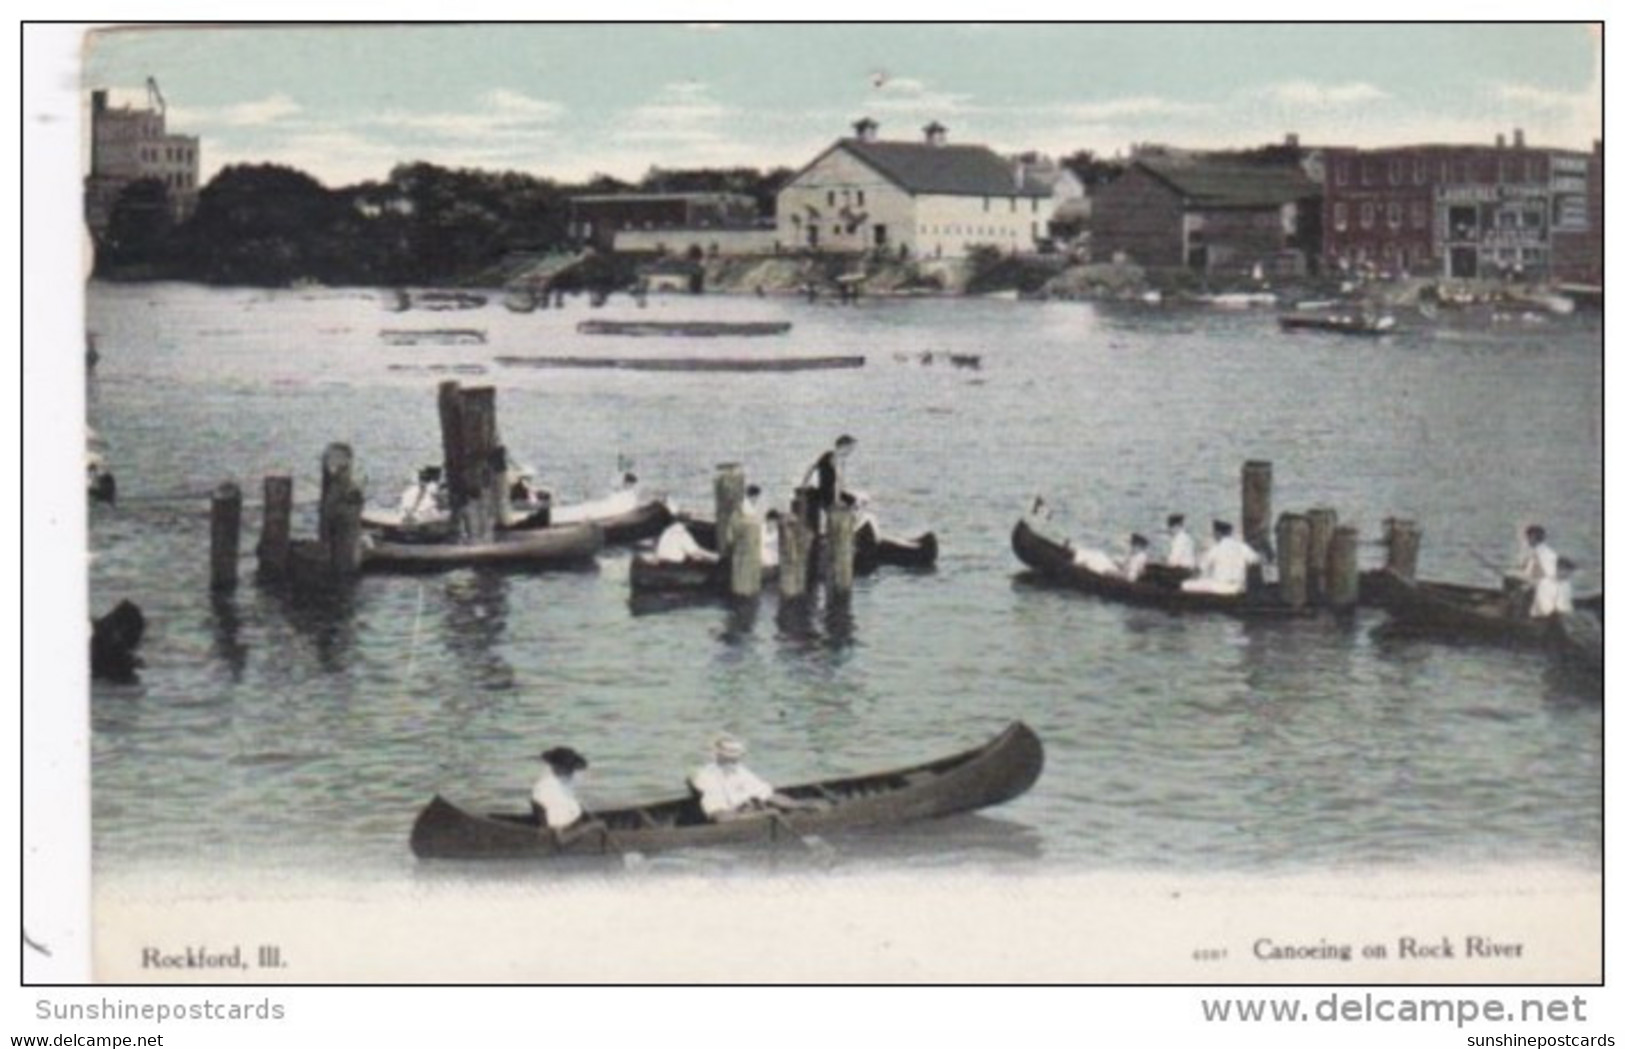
[[276, 529], [745, 557], [841, 551], [1343, 568], [730, 496], [1322, 521], [689, 364], [225, 522], [1404, 541], [697, 329], [1292, 541]]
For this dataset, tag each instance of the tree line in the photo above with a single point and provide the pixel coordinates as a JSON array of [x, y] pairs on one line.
[[272, 225]]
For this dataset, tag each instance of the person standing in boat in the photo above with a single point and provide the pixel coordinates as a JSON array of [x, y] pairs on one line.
[[553, 798], [421, 500], [830, 473], [1223, 568], [1537, 565], [729, 791], [1139, 553], [1554, 596], [1181, 547]]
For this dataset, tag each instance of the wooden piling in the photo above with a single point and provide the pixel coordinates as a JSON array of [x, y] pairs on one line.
[[841, 550], [339, 522], [225, 521], [1292, 544], [1256, 480], [276, 529], [1404, 541], [730, 496], [450, 403], [1343, 568], [1322, 521], [795, 543], [482, 476], [745, 558]]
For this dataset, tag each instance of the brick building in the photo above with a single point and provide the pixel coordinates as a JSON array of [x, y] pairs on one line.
[[1464, 211], [1209, 214]]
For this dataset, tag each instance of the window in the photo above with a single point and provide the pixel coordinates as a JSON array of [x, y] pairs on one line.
[[860, 198], [832, 198], [987, 203], [1340, 216], [1342, 172], [1419, 173], [1012, 205], [1419, 215], [1035, 205], [1394, 171], [1396, 215], [1368, 215]]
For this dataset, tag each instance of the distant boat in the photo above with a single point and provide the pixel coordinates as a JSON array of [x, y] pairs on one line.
[[688, 364], [1238, 300], [1340, 323], [700, 329]]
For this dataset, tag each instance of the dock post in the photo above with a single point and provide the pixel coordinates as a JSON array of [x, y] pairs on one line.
[[1404, 541], [745, 557], [1256, 478], [339, 523], [276, 529], [1292, 540], [1343, 568], [730, 496], [842, 548], [795, 543], [1322, 521], [225, 521], [481, 476]]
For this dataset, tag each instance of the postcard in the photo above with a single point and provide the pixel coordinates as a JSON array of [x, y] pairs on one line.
[[827, 504]]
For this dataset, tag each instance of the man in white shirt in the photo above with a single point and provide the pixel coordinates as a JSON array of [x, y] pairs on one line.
[[1181, 547], [1224, 566], [421, 500], [677, 545], [553, 798], [730, 791], [1539, 560], [1554, 595], [1139, 552]]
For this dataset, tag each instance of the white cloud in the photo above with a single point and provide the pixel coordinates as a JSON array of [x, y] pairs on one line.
[[899, 94], [1308, 94], [273, 109], [1139, 107]]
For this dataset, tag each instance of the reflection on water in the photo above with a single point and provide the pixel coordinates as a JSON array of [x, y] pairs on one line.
[[1175, 742]]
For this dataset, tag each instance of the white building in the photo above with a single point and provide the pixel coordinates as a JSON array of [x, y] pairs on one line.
[[127, 145], [920, 198]]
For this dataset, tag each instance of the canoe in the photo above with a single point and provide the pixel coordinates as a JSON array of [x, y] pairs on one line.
[[1339, 323], [644, 521], [870, 552], [1479, 614], [702, 329], [1053, 561], [993, 773], [563, 547], [689, 364], [1384, 589], [650, 576]]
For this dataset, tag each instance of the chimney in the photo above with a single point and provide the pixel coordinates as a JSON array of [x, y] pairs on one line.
[[866, 130], [1292, 140], [1500, 142], [1517, 138], [936, 134], [98, 101]]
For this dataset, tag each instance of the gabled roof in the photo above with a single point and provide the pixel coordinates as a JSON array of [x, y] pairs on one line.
[[1220, 184], [966, 171]]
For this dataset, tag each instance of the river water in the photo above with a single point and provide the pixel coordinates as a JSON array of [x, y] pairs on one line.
[[272, 734]]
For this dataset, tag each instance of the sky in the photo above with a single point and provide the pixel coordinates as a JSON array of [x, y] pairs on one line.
[[570, 101]]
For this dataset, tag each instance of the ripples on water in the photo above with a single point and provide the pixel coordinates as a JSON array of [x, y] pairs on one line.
[[266, 731]]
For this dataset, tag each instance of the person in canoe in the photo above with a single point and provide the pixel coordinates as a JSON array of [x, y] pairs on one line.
[[1181, 547], [727, 790], [553, 798], [830, 473], [1223, 568], [422, 499], [1131, 567], [677, 546], [1537, 567], [1554, 596]]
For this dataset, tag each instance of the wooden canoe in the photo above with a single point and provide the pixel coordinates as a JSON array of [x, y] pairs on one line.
[[1052, 561], [645, 521], [699, 329], [995, 772], [870, 552], [566, 546], [1479, 614]]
